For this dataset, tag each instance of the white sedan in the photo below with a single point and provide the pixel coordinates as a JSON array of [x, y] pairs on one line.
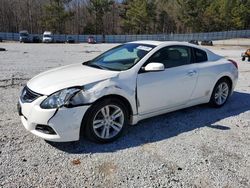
[[124, 85]]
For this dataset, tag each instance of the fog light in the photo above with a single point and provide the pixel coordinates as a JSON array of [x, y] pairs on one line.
[[45, 129]]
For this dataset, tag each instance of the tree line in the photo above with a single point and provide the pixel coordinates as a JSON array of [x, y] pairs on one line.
[[123, 16]]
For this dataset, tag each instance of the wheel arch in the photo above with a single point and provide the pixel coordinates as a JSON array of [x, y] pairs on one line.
[[223, 77], [228, 78], [120, 98], [111, 96]]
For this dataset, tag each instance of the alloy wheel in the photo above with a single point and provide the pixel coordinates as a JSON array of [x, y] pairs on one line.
[[221, 93], [108, 121]]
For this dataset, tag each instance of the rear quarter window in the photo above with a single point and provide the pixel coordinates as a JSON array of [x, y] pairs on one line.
[[200, 55]]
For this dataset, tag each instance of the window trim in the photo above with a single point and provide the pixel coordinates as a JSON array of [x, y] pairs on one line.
[[194, 56], [192, 60]]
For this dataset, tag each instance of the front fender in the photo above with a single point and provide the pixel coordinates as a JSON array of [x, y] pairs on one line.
[[93, 92]]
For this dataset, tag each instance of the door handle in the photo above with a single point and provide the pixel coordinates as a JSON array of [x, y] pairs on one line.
[[191, 73]]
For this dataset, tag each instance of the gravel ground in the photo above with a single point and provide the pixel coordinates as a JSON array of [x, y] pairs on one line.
[[194, 147]]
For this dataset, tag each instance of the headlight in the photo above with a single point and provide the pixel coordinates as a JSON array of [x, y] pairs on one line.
[[60, 98]]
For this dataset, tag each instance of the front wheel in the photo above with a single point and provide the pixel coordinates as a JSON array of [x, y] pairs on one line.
[[106, 121], [220, 93]]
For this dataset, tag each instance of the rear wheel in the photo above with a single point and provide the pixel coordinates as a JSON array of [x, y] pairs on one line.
[[220, 93], [106, 120]]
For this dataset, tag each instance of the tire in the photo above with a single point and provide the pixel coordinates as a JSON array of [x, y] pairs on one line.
[[105, 129], [220, 94], [243, 58]]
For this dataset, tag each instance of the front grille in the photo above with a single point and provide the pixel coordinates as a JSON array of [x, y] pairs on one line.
[[29, 96]]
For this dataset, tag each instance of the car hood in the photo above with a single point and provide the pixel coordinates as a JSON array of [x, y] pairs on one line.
[[54, 80]]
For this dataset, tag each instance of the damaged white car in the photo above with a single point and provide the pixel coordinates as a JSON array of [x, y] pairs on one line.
[[122, 86]]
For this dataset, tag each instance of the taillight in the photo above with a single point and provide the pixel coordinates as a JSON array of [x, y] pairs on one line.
[[232, 61]]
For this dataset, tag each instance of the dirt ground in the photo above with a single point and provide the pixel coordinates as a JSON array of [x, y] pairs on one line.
[[195, 147]]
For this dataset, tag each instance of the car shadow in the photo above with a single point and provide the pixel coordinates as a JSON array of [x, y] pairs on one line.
[[165, 126]]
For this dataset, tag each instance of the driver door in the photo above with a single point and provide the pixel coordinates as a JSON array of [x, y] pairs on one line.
[[169, 88]]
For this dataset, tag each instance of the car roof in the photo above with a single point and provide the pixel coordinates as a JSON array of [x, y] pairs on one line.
[[149, 42], [168, 43], [158, 43], [47, 32], [23, 31], [211, 56]]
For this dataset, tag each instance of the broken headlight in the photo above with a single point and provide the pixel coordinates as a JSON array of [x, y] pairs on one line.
[[66, 97]]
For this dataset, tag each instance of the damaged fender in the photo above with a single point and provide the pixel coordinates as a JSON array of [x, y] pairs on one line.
[[95, 91]]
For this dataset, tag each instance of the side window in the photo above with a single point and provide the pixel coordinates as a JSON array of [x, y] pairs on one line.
[[172, 56], [200, 55]]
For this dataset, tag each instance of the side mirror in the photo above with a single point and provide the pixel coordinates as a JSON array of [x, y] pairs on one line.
[[154, 67]]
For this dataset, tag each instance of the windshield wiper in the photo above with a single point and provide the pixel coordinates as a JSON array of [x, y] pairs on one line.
[[87, 63], [95, 66]]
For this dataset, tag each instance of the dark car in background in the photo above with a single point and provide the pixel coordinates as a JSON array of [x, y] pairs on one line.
[[36, 39], [70, 39], [91, 40], [24, 36], [207, 43], [196, 42]]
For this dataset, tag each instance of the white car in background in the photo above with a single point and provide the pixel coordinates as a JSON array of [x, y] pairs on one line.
[[47, 37], [124, 85]]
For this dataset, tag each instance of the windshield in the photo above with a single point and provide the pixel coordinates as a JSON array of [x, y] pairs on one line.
[[24, 34], [122, 57], [49, 36]]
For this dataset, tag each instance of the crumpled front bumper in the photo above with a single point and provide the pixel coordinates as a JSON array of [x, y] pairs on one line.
[[66, 122]]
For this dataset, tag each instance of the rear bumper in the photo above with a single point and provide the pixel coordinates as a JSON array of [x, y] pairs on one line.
[[65, 122], [235, 78]]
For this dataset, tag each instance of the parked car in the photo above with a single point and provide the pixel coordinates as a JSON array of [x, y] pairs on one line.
[[70, 39], [124, 85], [207, 43], [245, 55], [91, 40], [59, 41], [196, 42], [36, 39], [48, 37], [24, 36]]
